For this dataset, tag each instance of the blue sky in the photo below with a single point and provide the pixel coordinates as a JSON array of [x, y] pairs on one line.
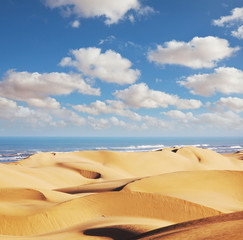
[[121, 68]]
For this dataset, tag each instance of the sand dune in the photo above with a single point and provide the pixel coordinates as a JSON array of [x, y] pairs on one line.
[[227, 226], [207, 188], [121, 195]]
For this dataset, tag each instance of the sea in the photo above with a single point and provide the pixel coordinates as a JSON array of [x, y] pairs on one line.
[[17, 148]]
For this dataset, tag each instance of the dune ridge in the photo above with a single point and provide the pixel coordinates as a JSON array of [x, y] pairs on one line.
[[122, 195]]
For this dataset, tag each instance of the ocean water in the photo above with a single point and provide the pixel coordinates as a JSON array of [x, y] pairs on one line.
[[16, 148]]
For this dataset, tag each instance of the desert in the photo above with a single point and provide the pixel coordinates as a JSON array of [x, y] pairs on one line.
[[174, 193]]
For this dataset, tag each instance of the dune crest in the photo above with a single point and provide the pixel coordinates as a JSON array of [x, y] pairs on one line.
[[121, 195]]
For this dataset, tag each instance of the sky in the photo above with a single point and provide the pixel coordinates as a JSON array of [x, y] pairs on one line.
[[121, 68]]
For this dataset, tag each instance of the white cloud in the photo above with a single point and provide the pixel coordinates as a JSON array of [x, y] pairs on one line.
[[95, 108], [236, 16], [7, 104], [69, 116], [181, 116], [112, 107], [188, 103], [60, 124], [131, 18], [9, 110], [214, 120], [153, 122], [228, 120], [109, 66], [75, 24], [45, 103], [116, 122], [108, 39], [238, 33], [225, 80], [200, 52], [232, 103], [113, 11], [101, 123], [98, 124], [140, 96], [35, 88]]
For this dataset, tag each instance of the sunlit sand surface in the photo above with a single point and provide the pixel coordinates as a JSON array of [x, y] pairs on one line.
[[175, 193]]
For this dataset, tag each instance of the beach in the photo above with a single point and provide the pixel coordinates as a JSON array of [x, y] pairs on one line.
[[173, 193]]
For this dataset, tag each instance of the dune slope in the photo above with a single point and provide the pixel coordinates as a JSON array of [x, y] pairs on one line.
[[121, 195]]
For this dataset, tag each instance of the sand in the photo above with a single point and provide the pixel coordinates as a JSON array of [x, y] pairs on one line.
[[175, 193]]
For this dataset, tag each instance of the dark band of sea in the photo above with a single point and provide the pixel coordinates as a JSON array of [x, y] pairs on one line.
[[15, 148]]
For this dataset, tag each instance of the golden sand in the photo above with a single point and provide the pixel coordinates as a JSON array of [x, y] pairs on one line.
[[186, 193]]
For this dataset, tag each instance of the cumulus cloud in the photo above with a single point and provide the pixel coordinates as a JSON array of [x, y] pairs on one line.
[[228, 120], [224, 79], [233, 20], [181, 116], [232, 103], [98, 124], [200, 52], [11, 111], [140, 96], [45, 103], [109, 66], [75, 24], [8, 108], [35, 88], [116, 122], [7, 104], [113, 11], [111, 107], [236, 16], [153, 122], [69, 116], [238, 33], [210, 120]]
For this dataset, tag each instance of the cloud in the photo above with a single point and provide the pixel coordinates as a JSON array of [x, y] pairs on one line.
[[236, 16], [108, 39], [232, 103], [153, 122], [109, 66], [7, 104], [228, 120], [35, 88], [140, 96], [209, 120], [8, 108], [113, 11], [101, 123], [224, 80], [131, 18], [200, 52], [75, 24], [46, 103], [181, 116], [11, 111], [98, 124], [69, 116], [238, 33], [112, 107], [116, 122]]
